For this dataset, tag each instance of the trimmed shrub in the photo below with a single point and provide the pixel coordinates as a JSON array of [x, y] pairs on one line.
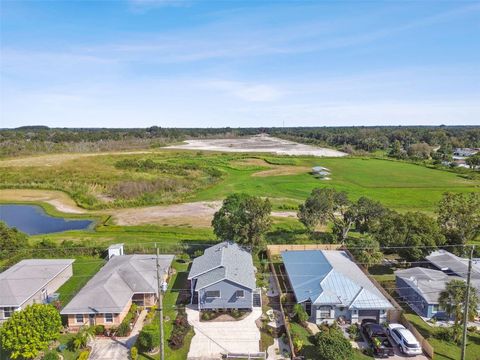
[[148, 338], [134, 353], [99, 329]]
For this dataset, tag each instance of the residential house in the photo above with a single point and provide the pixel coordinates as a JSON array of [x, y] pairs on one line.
[[107, 297], [223, 278], [31, 281], [332, 287], [421, 288]]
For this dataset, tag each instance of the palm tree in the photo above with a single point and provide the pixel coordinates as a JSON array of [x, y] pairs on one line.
[[452, 300]]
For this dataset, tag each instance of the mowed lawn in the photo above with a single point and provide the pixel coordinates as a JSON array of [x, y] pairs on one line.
[[398, 185]]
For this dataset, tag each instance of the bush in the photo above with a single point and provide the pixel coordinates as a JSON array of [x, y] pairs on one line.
[[148, 338], [181, 327], [84, 355], [99, 329], [134, 353], [300, 314], [123, 328], [51, 355], [353, 332], [332, 345]]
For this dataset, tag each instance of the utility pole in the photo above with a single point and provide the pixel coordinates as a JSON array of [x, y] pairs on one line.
[[160, 307], [467, 303]]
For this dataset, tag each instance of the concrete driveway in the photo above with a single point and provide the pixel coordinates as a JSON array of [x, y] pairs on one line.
[[213, 338]]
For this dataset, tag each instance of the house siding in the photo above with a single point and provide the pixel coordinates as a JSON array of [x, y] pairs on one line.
[[227, 299], [99, 319]]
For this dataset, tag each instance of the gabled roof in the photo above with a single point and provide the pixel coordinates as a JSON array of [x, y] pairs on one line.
[[114, 285], [330, 277], [427, 282], [224, 261], [450, 263], [21, 281]]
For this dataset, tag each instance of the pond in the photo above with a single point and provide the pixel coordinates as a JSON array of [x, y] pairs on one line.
[[33, 220]]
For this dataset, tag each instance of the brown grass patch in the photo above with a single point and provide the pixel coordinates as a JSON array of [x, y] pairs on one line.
[[282, 170]]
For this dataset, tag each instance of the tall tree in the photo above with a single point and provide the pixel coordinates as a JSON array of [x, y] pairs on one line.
[[366, 251], [244, 219], [325, 204], [453, 298], [415, 234], [473, 161], [369, 213], [459, 217], [30, 331], [10, 239]]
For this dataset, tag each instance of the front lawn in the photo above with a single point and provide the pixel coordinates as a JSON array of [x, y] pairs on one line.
[[171, 301]]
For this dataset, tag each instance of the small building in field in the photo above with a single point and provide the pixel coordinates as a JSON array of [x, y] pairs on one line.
[[107, 297], [32, 281], [331, 287], [223, 278]]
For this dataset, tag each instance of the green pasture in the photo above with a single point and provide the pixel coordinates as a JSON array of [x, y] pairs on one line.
[[181, 176]]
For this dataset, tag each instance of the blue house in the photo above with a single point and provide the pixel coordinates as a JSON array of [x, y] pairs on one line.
[[223, 278], [421, 288], [330, 286]]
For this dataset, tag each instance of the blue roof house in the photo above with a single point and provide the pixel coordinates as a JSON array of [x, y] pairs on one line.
[[223, 278], [331, 286]]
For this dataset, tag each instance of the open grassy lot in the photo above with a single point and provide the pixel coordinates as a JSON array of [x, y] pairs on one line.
[[112, 181]]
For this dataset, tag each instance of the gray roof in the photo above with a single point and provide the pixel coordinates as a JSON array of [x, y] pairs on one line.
[[21, 281], [450, 263], [224, 261], [427, 282], [114, 285], [331, 277]]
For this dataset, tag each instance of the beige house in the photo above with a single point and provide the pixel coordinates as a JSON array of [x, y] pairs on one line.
[[31, 281], [107, 297]]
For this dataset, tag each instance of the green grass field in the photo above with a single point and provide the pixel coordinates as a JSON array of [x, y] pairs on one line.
[[97, 182]]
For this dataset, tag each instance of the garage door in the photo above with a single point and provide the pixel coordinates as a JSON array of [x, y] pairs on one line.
[[368, 314]]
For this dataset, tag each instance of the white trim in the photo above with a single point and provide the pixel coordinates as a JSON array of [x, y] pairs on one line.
[[76, 319], [241, 297], [105, 318], [213, 297]]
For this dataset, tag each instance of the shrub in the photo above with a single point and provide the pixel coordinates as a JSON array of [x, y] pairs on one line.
[[84, 355], [353, 332], [300, 313], [99, 329], [148, 338], [236, 313], [51, 355], [123, 328], [181, 327], [206, 315], [332, 345], [134, 353], [197, 253]]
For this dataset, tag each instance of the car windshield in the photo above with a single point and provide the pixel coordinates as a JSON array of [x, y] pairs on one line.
[[412, 346]]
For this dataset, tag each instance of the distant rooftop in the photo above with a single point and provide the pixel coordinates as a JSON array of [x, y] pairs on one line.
[[21, 281], [331, 277], [450, 263]]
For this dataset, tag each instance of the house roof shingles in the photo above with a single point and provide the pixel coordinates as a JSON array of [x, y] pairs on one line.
[[114, 285], [223, 261], [331, 277], [21, 281]]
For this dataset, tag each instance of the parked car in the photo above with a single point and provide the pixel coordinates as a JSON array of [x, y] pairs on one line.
[[378, 339], [407, 343]]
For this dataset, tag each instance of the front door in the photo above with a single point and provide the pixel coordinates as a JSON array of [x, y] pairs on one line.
[[91, 319]]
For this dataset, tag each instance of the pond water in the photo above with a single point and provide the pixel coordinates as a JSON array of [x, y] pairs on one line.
[[33, 220]]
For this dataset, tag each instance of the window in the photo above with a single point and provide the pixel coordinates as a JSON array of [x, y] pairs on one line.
[[7, 312], [240, 294], [108, 318], [212, 294], [79, 318], [324, 312]]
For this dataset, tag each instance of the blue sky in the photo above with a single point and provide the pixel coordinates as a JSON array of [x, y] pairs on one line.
[[138, 63]]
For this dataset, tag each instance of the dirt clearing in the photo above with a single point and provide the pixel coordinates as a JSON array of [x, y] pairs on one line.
[[61, 201], [259, 144], [196, 214], [56, 159]]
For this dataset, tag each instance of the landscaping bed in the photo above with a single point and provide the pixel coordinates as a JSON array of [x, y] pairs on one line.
[[224, 315]]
